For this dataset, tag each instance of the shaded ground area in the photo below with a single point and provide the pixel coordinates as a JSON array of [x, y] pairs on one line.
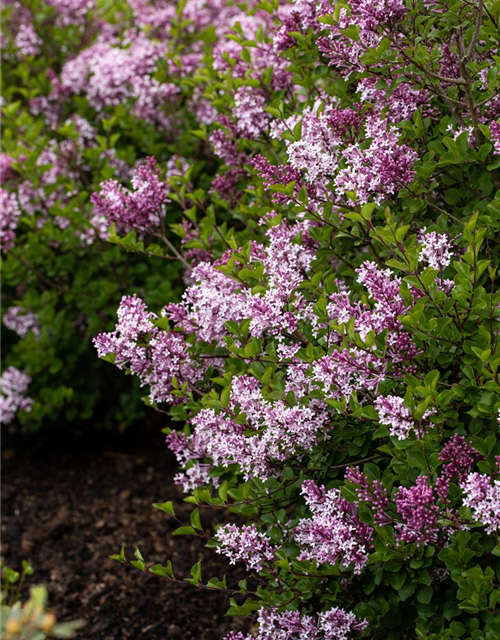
[[69, 502]]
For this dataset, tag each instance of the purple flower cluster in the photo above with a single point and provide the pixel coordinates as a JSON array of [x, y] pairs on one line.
[[345, 371], [141, 208], [21, 321], [334, 532], [419, 511], [373, 493], [278, 432], [208, 304], [7, 172], [13, 394], [158, 363], [27, 41], [495, 136], [72, 12], [394, 414], [215, 298], [110, 72], [458, 457], [251, 119], [334, 624], [345, 53], [9, 216], [245, 544], [482, 495], [380, 170], [435, 250]]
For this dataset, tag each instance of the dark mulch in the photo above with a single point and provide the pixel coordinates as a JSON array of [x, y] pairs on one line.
[[68, 502]]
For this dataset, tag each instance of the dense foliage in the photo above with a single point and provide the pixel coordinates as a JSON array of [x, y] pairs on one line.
[[334, 359], [62, 280]]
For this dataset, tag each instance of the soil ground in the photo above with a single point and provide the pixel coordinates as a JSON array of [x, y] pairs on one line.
[[70, 501]]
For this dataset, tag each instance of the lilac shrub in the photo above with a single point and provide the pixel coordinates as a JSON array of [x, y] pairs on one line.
[[340, 317], [327, 177]]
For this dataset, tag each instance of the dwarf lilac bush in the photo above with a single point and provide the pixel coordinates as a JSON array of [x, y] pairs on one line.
[[341, 312], [326, 175]]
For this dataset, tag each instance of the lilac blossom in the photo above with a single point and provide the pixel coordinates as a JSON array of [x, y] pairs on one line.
[[279, 432], [251, 119], [245, 544], [435, 250], [495, 136], [373, 493], [337, 624], [347, 371], [215, 298], [208, 304], [109, 73], [156, 365], [13, 394], [399, 103], [72, 12], [334, 531], [9, 216], [379, 170], [482, 496], [27, 41], [141, 208], [21, 321], [345, 53], [458, 457], [419, 511], [282, 174], [389, 305], [196, 475], [334, 624], [7, 172], [394, 414]]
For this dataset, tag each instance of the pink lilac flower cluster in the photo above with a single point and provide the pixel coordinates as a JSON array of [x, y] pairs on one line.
[[383, 288], [334, 532], [334, 624], [419, 511], [346, 53], [347, 150], [21, 321], [351, 370], [13, 394], [495, 136], [281, 174], [482, 496], [251, 119], [208, 304], [110, 73], [398, 103], [9, 216], [279, 432], [458, 457], [228, 53], [394, 414], [373, 493], [157, 364], [27, 41], [72, 12], [7, 172], [245, 544], [380, 170], [140, 208], [436, 250], [347, 371], [215, 298]]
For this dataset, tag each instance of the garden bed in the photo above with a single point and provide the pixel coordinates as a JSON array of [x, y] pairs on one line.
[[69, 502]]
